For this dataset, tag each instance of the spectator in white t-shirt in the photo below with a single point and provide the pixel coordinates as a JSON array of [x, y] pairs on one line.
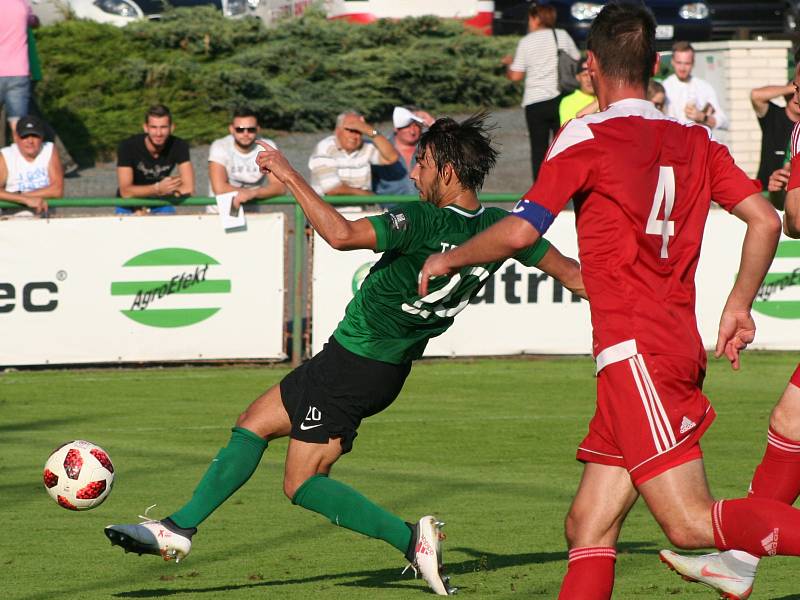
[[536, 61], [30, 172], [232, 163], [689, 98]]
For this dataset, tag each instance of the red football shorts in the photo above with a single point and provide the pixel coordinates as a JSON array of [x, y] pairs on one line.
[[651, 413], [794, 174], [796, 377]]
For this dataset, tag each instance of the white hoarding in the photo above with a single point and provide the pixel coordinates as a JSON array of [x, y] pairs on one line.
[[523, 311], [110, 289], [518, 310]]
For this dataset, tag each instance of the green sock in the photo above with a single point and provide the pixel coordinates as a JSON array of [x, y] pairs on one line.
[[232, 467], [346, 507]]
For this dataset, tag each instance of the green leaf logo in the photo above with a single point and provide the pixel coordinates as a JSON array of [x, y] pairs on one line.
[[169, 284], [779, 294], [360, 275]]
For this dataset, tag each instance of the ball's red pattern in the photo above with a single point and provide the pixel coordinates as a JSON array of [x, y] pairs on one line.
[[91, 491], [66, 503], [50, 478], [73, 463], [102, 458]]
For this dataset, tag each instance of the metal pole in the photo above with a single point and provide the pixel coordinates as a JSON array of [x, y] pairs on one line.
[[297, 304]]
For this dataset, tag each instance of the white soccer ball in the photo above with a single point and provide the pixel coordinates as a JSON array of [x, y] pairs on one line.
[[79, 475]]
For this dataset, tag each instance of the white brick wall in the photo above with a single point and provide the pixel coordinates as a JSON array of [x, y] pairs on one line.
[[733, 69]]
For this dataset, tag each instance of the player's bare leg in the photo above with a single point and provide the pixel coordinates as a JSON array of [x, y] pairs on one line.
[[264, 419], [777, 477], [604, 498]]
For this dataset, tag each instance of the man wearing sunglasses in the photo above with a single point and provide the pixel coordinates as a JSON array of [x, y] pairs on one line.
[[232, 163], [341, 164]]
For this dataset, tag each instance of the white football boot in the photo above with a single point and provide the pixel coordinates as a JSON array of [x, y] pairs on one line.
[[150, 537], [427, 559], [714, 571]]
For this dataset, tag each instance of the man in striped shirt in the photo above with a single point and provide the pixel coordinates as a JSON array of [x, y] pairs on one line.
[[341, 164]]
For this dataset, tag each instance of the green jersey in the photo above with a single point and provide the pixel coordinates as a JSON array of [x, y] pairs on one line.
[[387, 320]]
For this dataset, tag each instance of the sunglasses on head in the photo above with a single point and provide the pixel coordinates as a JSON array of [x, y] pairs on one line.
[[243, 129]]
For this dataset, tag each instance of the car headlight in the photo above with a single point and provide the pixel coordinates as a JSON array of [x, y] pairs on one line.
[[585, 11], [122, 8], [234, 8], [693, 10]]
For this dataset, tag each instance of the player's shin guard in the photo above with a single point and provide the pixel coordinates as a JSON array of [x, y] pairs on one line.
[[346, 507], [759, 526], [232, 467], [590, 574], [778, 475]]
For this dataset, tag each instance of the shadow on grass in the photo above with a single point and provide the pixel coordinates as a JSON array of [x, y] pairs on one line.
[[390, 578], [37, 425]]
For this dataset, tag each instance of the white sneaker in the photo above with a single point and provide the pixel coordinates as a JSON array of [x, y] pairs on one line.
[[428, 555], [710, 570], [150, 537]]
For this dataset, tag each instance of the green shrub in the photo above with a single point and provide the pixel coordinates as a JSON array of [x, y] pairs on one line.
[[99, 79]]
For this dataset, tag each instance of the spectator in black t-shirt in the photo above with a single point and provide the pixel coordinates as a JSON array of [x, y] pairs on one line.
[[145, 163], [776, 124]]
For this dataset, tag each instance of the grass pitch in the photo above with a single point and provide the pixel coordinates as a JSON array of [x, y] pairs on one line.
[[486, 445]]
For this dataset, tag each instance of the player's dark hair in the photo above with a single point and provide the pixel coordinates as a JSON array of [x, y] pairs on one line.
[[623, 38], [244, 111], [157, 110], [467, 146]]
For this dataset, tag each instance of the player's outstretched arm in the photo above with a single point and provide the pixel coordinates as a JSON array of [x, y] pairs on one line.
[[324, 218], [502, 240], [791, 215], [566, 270], [736, 327]]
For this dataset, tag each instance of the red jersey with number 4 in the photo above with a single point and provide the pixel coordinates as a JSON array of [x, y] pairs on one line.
[[642, 185]]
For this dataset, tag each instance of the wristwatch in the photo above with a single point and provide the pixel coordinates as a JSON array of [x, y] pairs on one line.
[[374, 133]]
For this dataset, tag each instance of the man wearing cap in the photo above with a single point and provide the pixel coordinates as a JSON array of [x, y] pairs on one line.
[[30, 172], [580, 102], [341, 163], [394, 179]]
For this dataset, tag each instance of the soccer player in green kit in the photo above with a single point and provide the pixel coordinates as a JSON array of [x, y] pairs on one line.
[[361, 369]]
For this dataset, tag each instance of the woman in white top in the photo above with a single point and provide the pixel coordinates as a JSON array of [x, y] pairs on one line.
[[536, 61]]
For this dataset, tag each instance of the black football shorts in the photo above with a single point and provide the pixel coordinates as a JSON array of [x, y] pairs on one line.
[[327, 396]]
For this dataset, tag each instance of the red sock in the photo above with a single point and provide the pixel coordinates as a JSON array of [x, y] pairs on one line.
[[778, 475], [759, 526], [590, 574]]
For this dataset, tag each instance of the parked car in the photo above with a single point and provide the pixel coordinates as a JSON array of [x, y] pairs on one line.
[[677, 19], [122, 12]]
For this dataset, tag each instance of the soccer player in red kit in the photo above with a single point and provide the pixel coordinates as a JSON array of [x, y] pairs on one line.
[[642, 185], [778, 475]]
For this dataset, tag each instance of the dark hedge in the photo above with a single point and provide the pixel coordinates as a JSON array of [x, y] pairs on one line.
[[98, 79]]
